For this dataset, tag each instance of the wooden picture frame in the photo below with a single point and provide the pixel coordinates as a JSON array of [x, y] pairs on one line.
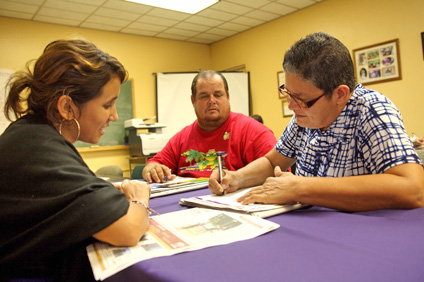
[[377, 63], [422, 42], [280, 80], [286, 111]]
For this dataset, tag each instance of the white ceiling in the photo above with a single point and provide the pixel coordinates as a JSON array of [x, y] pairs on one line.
[[219, 21]]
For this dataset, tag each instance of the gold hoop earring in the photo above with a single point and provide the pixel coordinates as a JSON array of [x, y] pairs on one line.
[[78, 125]]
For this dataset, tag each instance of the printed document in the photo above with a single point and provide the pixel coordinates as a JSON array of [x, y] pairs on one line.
[[229, 202], [176, 232]]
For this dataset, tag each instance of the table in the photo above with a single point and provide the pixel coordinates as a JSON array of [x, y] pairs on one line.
[[314, 244]]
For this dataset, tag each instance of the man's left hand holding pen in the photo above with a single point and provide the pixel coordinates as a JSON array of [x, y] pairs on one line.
[[157, 173]]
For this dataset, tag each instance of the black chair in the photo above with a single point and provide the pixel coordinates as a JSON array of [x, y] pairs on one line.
[[137, 172]]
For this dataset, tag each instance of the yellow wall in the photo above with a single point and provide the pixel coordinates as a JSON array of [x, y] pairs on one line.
[[356, 23], [23, 40]]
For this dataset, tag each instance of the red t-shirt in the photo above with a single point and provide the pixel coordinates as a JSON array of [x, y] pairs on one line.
[[192, 151]]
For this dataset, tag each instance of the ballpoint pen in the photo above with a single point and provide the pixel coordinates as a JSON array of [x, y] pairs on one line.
[[219, 158], [166, 177]]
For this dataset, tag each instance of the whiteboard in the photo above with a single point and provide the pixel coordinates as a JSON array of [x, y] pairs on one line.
[[4, 78], [173, 98]]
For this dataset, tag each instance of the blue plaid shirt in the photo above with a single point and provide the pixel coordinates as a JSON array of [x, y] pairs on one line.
[[368, 137]]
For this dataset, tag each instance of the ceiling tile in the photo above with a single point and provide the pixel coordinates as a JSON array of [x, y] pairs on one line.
[[210, 36], [69, 6], [171, 36], [278, 8], [223, 32], [234, 26], [13, 14], [107, 21], [155, 20], [100, 26], [146, 26], [190, 26], [139, 31], [231, 7], [168, 14], [262, 15], [224, 19], [29, 2], [204, 21], [96, 3], [296, 3], [251, 3], [215, 14], [180, 32], [49, 12], [126, 6], [18, 7], [56, 20], [106, 12], [248, 21]]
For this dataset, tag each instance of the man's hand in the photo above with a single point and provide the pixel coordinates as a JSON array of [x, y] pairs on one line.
[[155, 172]]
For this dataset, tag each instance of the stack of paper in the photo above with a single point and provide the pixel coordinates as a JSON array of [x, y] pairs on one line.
[[177, 185], [229, 202], [177, 232]]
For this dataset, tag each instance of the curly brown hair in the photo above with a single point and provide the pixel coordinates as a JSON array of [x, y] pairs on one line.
[[76, 68]]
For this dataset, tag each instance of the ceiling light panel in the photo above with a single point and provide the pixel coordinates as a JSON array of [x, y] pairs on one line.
[[185, 6]]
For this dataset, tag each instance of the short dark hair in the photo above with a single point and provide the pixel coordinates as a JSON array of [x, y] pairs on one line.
[[258, 118], [207, 74], [322, 60]]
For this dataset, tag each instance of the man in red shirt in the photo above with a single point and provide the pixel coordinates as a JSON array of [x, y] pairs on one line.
[[192, 152]]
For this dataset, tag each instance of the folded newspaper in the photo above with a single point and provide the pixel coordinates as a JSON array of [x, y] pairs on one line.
[[229, 202], [177, 185], [176, 232]]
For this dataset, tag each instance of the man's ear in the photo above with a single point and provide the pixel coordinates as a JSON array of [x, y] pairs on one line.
[[192, 100], [342, 93], [64, 107]]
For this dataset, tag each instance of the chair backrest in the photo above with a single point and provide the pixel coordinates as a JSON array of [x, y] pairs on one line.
[[420, 153], [110, 170], [137, 172]]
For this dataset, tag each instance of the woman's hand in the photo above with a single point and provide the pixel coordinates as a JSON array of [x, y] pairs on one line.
[[280, 189], [135, 191], [230, 182]]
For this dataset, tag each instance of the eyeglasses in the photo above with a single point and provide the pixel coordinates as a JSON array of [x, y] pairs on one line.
[[286, 94]]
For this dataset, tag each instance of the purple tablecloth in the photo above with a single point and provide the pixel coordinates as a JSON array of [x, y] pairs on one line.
[[314, 244]]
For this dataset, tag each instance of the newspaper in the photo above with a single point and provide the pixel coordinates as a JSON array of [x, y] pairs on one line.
[[177, 232], [177, 185], [229, 202]]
